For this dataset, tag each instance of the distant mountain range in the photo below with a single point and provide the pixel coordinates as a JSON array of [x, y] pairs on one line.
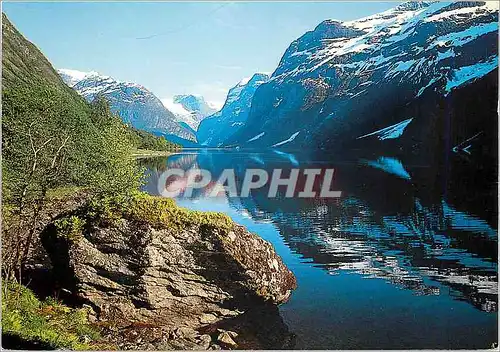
[[415, 78], [135, 104], [420, 76], [190, 109]]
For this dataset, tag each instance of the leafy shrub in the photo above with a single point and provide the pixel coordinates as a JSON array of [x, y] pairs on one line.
[[70, 227]]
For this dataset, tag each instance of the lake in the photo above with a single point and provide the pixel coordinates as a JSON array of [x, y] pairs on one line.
[[406, 257]]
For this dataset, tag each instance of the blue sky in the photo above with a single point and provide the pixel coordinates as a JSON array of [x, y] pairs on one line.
[[191, 47]]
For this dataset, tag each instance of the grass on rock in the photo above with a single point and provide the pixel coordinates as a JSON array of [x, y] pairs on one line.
[[48, 322]]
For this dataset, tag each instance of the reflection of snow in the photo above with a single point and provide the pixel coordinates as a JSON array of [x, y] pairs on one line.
[[391, 132], [465, 145], [257, 159], [465, 221], [288, 156], [390, 165], [406, 250]]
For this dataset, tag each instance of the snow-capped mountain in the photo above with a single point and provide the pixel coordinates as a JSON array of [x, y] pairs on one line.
[[72, 77], [135, 104], [190, 109], [394, 77], [216, 129]]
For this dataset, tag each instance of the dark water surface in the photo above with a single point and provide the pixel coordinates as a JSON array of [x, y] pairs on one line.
[[405, 258]]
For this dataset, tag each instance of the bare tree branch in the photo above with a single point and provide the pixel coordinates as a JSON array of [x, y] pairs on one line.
[[58, 152]]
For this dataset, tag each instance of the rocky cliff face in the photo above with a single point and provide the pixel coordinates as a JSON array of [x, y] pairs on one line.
[[340, 84], [133, 272]]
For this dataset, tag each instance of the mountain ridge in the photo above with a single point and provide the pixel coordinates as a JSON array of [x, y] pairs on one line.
[[346, 79], [217, 128], [136, 105]]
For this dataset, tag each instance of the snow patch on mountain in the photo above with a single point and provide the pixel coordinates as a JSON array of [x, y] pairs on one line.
[[190, 109], [467, 74], [288, 140], [391, 132], [256, 137], [72, 77], [461, 38], [176, 108], [181, 113]]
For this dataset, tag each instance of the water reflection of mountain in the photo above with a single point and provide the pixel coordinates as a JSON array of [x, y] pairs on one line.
[[392, 222]]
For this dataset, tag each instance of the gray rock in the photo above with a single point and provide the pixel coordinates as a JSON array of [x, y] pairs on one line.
[[170, 280]]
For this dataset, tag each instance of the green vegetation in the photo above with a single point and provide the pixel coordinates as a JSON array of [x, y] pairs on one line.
[[70, 227], [160, 213], [147, 141], [52, 138], [164, 213], [55, 144], [48, 322], [61, 193]]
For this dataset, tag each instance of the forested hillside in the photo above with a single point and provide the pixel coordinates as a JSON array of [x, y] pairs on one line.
[[52, 140]]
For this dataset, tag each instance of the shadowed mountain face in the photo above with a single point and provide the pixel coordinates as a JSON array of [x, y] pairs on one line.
[[392, 80], [135, 104], [218, 128]]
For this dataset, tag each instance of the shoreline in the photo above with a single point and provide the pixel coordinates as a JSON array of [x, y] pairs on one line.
[[144, 153]]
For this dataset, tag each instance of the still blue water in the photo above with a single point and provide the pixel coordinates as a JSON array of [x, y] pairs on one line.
[[405, 258]]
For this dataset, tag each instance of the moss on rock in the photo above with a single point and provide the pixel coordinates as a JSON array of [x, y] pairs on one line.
[[158, 212]]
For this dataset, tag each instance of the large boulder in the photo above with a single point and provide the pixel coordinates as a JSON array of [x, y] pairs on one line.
[[131, 270]]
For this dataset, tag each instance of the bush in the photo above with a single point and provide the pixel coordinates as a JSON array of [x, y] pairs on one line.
[[70, 228]]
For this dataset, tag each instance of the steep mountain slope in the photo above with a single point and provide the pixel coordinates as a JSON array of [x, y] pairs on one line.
[[36, 106], [51, 136], [190, 109], [214, 130], [380, 77], [22, 62], [135, 104]]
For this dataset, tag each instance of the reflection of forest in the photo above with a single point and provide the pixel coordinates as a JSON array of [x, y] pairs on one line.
[[401, 229]]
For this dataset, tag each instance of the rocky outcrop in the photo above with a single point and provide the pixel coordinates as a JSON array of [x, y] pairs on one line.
[[150, 281]]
